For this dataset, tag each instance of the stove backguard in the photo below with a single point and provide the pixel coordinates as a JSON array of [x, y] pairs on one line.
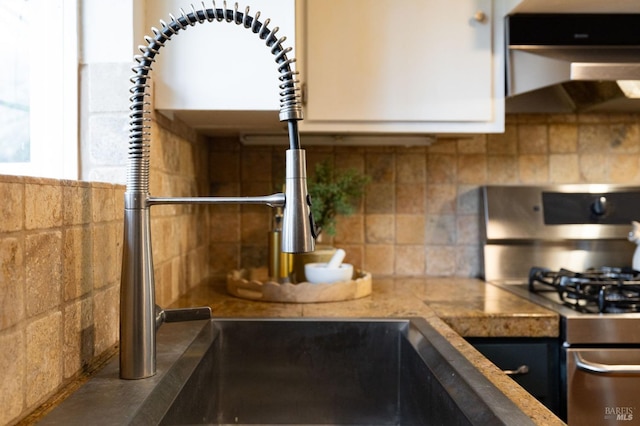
[[576, 227]]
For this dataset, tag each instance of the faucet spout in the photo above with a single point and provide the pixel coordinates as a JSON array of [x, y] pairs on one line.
[[139, 315]]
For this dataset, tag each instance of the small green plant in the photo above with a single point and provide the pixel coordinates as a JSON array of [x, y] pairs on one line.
[[334, 192]]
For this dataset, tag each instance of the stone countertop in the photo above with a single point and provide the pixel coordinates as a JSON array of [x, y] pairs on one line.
[[455, 307]]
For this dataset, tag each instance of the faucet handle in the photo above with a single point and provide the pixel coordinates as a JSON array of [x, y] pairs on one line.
[[183, 314]]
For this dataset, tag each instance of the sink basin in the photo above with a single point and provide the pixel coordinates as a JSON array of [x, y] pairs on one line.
[[314, 372]]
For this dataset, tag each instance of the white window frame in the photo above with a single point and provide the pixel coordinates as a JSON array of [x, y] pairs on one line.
[[54, 92]]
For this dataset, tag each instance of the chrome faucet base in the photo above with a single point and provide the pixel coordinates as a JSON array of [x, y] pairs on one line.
[[137, 298]]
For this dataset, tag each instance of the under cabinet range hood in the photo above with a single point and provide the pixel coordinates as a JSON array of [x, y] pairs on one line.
[[573, 62]]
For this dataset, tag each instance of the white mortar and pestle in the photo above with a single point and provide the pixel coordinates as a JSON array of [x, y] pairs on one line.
[[329, 272]]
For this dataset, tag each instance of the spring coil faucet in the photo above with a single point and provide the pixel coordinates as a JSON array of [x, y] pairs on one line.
[[139, 315]]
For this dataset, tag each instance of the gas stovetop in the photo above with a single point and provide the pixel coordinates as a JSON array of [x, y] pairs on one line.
[[602, 290], [567, 229]]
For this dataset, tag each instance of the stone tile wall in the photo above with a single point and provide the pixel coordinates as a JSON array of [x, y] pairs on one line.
[[60, 248], [60, 259], [420, 214]]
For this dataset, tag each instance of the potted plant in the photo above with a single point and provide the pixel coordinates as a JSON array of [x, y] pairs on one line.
[[333, 192]]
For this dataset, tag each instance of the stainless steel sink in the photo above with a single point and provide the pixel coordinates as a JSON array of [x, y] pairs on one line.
[[316, 372]]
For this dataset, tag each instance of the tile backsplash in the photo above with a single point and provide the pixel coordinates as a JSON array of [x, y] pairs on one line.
[[61, 241], [60, 257], [420, 213]]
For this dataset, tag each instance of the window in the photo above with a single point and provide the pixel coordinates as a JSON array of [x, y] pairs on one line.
[[39, 88]]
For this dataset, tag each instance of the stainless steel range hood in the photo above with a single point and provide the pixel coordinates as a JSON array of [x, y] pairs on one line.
[[570, 57]]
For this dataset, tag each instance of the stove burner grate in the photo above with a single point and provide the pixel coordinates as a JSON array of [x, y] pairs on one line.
[[602, 290]]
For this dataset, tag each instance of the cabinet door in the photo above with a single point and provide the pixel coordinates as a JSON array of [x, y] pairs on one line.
[[400, 65], [541, 356], [219, 66]]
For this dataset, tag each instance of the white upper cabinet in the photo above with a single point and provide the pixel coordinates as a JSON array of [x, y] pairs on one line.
[[407, 66], [219, 75], [367, 66]]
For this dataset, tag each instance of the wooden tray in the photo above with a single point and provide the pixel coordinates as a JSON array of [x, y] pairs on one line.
[[247, 285]]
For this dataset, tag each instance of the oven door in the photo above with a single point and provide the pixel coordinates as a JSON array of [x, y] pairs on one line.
[[602, 386]]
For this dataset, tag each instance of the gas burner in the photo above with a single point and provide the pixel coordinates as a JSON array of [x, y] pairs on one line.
[[602, 290]]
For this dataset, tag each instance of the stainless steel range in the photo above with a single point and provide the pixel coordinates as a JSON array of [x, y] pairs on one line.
[[566, 248]]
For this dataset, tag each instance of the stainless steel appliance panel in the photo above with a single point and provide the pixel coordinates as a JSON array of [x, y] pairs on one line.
[[517, 213], [602, 386]]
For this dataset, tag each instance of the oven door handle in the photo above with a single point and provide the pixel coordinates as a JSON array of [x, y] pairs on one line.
[[599, 368]]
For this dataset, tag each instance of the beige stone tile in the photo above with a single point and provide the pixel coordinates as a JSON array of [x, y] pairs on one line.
[[442, 168], [410, 229], [476, 144], [187, 158], [350, 229], [440, 261], [77, 201], [252, 256], [44, 357], [162, 280], [178, 273], [349, 159], [468, 231], [444, 145], [103, 203], [532, 118], [12, 375], [626, 138], [106, 255], [469, 199], [468, 262], [379, 198], [254, 227], [43, 264], [410, 198], [256, 165], [381, 167], [503, 143], [118, 201], [441, 198], [594, 168], [355, 254], [411, 168], [79, 336], [224, 258], [563, 168], [225, 227], [106, 311], [532, 139], [225, 167], [472, 168], [12, 206], [502, 169], [78, 261], [594, 138], [625, 168], [12, 301], [379, 258], [43, 206], [440, 229], [410, 260], [562, 118], [533, 168], [379, 228], [563, 138]]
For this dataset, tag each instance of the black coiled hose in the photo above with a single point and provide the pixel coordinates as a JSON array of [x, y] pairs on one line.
[[139, 140]]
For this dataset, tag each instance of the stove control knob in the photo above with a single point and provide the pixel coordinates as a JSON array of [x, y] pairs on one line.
[[599, 206]]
